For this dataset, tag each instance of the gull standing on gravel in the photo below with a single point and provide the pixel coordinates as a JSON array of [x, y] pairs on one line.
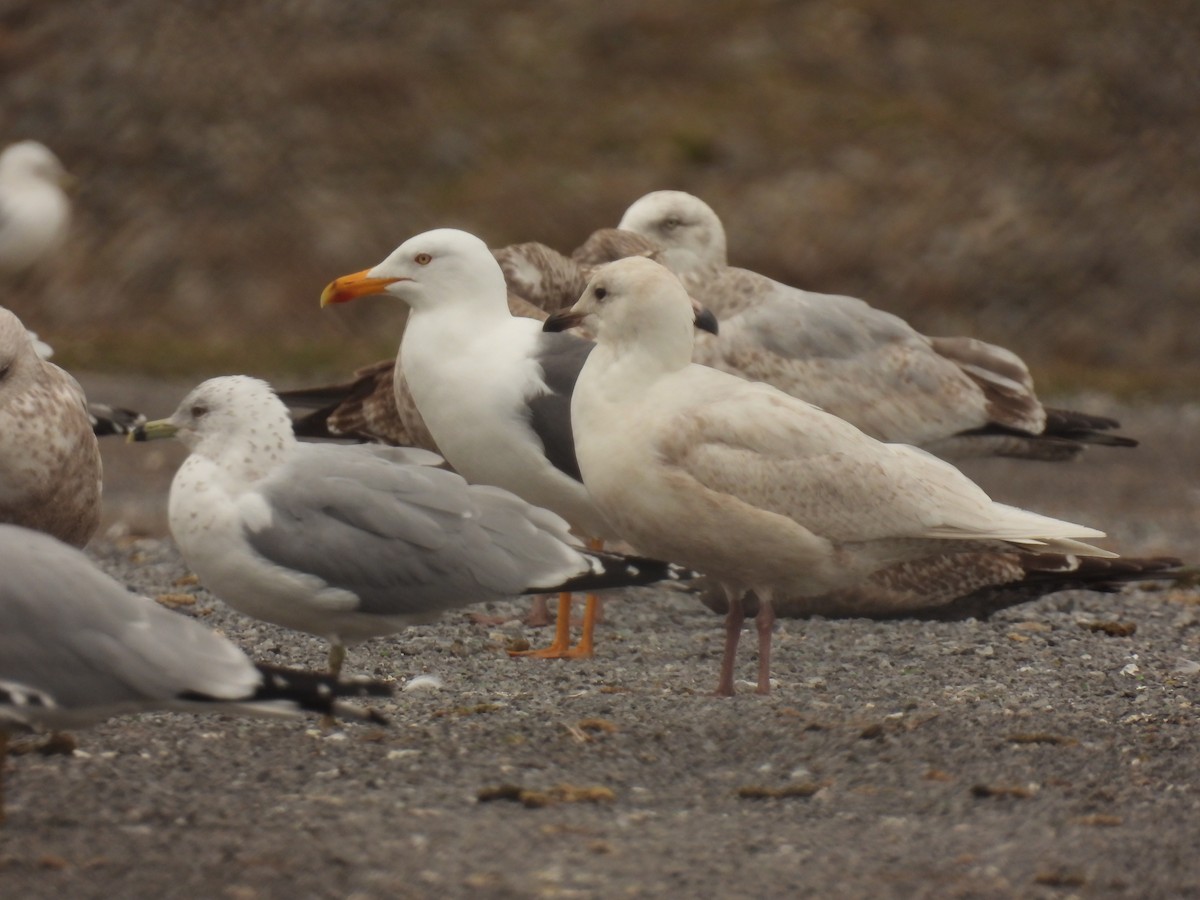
[[749, 485], [354, 542], [76, 647], [957, 397], [34, 208], [50, 472], [494, 390]]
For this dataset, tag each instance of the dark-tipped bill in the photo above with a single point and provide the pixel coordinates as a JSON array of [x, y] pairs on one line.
[[157, 430], [562, 320]]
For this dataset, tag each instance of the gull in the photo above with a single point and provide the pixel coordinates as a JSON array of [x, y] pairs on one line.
[[76, 648], [775, 494], [376, 405], [104, 419], [493, 389], [50, 472], [34, 209], [353, 542], [957, 397]]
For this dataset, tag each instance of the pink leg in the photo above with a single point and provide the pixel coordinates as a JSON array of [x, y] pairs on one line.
[[733, 630], [765, 622], [539, 612]]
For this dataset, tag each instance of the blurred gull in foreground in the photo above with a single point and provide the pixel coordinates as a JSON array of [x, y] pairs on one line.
[[749, 485], [354, 542], [76, 647], [956, 397]]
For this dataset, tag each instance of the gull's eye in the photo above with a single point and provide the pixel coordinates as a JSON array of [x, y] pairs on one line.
[[199, 411], [671, 223], [599, 292], [422, 259]]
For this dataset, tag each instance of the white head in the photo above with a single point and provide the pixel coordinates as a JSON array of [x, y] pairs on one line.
[[437, 268], [31, 161], [678, 221], [233, 412], [637, 305]]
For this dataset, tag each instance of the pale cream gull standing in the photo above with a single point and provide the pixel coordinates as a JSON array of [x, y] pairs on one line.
[[493, 389], [749, 485], [50, 472], [34, 209], [76, 647], [354, 542], [957, 397]]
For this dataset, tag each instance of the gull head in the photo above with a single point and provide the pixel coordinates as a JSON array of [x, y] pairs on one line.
[[678, 221], [229, 411], [18, 355], [435, 268], [31, 161], [637, 302]]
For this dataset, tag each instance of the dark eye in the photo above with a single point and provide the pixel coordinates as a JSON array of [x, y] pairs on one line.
[[4, 370], [600, 292], [422, 259], [672, 223], [199, 411]]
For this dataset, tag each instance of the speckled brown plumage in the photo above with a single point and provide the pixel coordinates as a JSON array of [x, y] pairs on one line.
[[50, 472], [960, 586]]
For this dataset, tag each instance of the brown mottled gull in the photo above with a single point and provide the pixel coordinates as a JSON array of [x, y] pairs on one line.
[[50, 474], [956, 397], [753, 487]]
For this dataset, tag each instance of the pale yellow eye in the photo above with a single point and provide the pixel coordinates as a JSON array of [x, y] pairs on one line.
[[422, 259]]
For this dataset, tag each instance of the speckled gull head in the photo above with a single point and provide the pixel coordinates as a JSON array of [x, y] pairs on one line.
[[439, 267], [678, 221], [232, 411], [635, 302]]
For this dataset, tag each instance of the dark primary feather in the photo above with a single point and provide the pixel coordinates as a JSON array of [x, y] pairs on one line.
[[316, 692], [561, 357], [953, 587], [108, 420], [615, 570]]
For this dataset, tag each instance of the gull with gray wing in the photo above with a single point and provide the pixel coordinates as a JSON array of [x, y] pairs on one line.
[[76, 647], [354, 542]]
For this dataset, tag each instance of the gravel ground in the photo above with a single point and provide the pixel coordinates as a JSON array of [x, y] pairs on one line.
[[1030, 755]]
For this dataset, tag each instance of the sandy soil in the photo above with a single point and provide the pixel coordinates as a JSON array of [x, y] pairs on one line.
[[1030, 755]]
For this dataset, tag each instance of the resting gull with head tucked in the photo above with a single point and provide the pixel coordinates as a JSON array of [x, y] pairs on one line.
[[354, 542], [34, 209], [755, 488], [956, 397]]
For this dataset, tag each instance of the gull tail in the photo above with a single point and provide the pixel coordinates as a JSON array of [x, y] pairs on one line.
[[292, 691], [608, 571]]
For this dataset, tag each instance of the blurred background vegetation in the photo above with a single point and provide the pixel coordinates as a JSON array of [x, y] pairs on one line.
[[1027, 172]]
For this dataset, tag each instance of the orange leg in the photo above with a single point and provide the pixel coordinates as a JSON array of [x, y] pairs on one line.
[[560, 648]]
